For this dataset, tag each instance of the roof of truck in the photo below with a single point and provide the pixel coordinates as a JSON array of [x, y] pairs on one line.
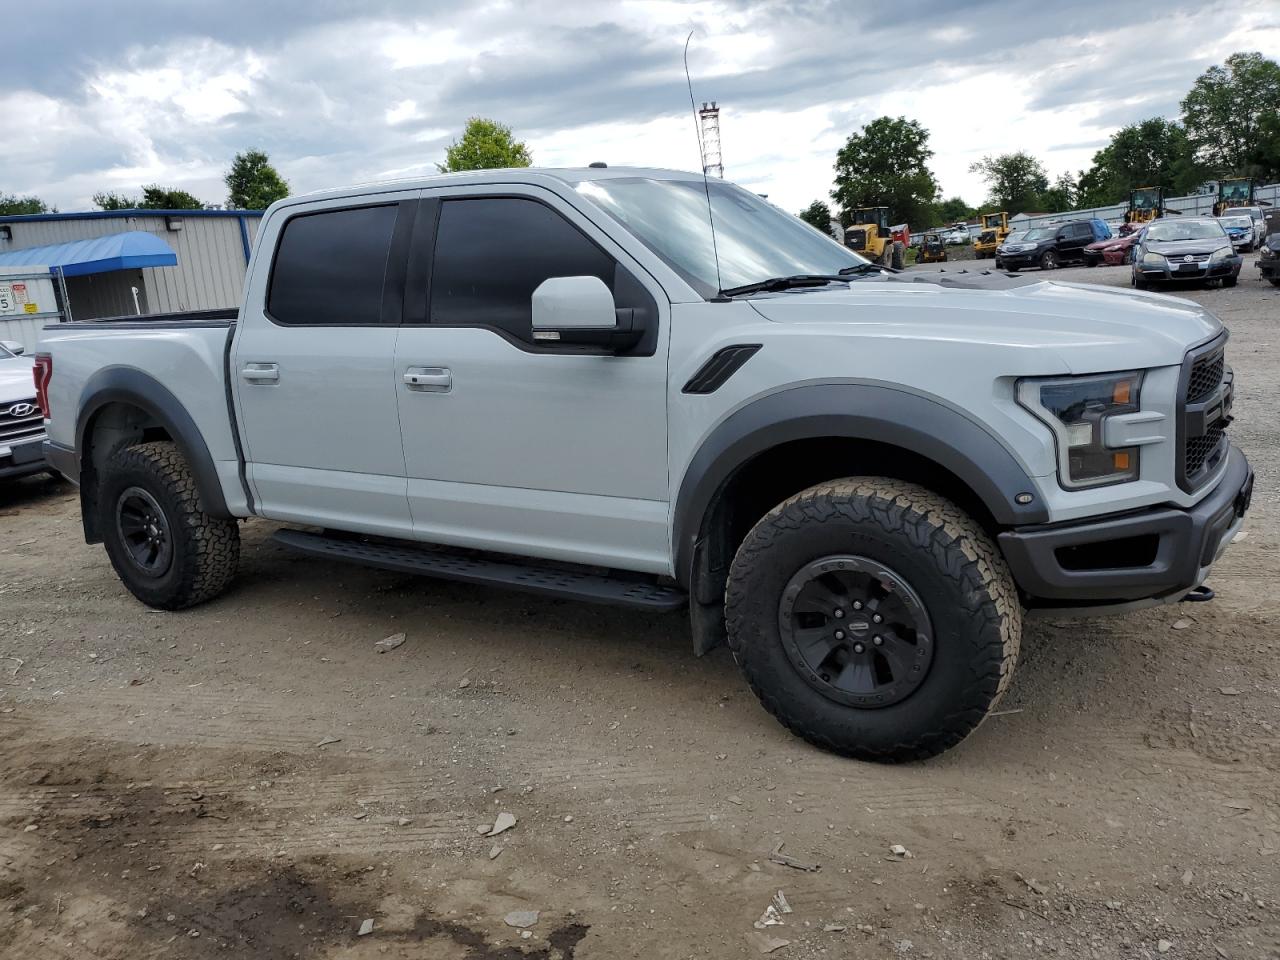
[[534, 175]]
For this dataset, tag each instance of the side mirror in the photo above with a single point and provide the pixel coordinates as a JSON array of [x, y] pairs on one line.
[[580, 311], [14, 347]]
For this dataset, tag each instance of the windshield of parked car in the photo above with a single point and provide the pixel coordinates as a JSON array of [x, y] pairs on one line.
[[1016, 236], [1184, 230], [1236, 222], [755, 240], [1041, 233], [1253, 213]]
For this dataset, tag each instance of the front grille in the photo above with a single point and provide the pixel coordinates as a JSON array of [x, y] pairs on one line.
[[1206, 374], [1204, 411], [1189, 258], [14, 428], [855, 239], [1201, 450]]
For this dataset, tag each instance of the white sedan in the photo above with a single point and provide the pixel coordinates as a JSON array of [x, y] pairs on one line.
[[21, 422]]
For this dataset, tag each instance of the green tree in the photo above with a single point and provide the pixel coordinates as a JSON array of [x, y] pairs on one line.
[[1232, 114], [1152, 153], [110, 200], [951, 210], [886, 164], [155, 197], [485, 145], [12, 205], [817, 214], [1016, 181], [253, 183], [1062, 195]]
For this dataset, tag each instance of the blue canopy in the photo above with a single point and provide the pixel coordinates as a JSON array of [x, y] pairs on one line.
[[118, 251]]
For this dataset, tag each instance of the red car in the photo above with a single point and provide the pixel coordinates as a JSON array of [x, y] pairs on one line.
[[1116, 251]]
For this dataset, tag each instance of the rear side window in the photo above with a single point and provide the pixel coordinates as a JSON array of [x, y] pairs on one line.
[[491, 253], [330, 267]]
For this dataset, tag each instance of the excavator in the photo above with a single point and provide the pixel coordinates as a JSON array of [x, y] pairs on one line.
[[995, 230], [871, 236]]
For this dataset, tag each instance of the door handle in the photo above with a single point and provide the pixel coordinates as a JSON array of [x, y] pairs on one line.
[[261, 372], [429, 379]]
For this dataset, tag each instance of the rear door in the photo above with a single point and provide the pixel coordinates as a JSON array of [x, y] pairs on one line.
[[312, 366], [522, 446]]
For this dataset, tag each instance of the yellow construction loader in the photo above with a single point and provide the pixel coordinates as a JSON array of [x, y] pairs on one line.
[[995, 229]]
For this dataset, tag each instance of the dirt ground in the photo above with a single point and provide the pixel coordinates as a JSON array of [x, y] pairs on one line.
[[252, 779]]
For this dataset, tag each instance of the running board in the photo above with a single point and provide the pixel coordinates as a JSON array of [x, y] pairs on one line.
[[549, 581]]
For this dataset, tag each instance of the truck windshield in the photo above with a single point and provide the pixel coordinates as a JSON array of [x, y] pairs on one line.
[[755, 239]]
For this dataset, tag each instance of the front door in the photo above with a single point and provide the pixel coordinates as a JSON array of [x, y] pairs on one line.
[[520, 446], [313, 367]]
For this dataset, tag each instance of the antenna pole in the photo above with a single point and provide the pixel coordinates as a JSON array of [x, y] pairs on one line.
[[706, 186]]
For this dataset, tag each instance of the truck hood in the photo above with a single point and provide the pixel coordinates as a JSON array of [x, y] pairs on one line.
[[16, 382], [1090, 328]]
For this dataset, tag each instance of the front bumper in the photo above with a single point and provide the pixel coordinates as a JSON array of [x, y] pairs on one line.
[[22, 458], [1020, 260], [1165, 551], [1202, 271]]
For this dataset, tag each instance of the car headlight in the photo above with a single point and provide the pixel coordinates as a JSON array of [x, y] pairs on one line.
[[1265, 250], [1222, 253], [1076, 410], [1153, 260]]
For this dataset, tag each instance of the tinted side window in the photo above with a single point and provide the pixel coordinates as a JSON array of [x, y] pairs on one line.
[[491, 253], [330, 267]]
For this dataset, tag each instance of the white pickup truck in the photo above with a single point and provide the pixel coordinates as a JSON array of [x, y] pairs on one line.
[[562, 381]]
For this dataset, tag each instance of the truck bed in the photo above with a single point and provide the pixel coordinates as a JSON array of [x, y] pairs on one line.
[[179, 356]]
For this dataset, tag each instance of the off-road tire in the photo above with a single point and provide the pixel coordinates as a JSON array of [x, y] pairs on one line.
[[947, 559], [205, 549]]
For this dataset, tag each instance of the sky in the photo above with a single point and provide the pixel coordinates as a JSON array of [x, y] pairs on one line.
[[111, 96]]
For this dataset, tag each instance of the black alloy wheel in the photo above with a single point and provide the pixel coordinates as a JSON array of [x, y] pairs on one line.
[[144, 531], [856, 631]]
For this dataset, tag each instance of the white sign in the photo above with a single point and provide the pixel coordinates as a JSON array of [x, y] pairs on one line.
[[26, 295]]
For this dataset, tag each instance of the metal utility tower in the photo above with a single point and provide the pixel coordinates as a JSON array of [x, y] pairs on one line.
[[709, 117]]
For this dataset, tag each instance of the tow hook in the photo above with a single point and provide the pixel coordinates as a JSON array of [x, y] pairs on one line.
[[1200, 594]]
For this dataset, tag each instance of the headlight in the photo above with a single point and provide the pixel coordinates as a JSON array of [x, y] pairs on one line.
[[1153, 260], [1266, 250], [1076, 410], [1222, 253]]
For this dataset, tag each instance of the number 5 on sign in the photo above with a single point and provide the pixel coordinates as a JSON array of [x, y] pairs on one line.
[[7, 304]]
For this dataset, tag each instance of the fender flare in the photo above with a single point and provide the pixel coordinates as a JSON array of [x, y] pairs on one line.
[[136, 388], [856, 411]]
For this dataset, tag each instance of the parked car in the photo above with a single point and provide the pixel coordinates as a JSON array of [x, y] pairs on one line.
[[1185, 248], [956, 236], [552, 379], [1253, 213], [1268, 262], [1114, 251], [1052, 246], [1240, 230], [21, 422]]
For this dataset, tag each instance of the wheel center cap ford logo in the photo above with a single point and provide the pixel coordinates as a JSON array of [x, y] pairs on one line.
[[1188, 259], [21, 410]]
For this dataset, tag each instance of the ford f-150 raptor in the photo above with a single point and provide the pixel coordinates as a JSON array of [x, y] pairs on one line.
[[563, 381]]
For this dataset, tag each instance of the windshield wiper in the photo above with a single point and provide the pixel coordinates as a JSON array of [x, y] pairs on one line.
[[784, 283], [866, 268]]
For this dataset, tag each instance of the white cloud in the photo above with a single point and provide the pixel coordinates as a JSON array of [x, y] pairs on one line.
[[382, 92]]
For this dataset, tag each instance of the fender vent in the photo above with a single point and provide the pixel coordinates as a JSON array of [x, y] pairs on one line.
[[720, 366]]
